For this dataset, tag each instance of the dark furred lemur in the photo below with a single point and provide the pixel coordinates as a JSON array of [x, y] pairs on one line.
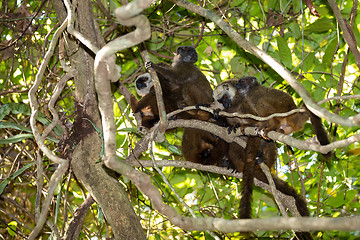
[[230, 98], [267, 101], [183, 84], [199, 146], [147, 105], [144, 88], [244, 160]]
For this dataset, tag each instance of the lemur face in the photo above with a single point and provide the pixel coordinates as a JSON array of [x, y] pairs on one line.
[[143, 83], [223, 95]]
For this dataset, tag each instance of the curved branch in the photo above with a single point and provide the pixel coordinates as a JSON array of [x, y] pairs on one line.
[[236, 114], [253, 131], [222, 132], [105, 67], [63, 163], [274, 64]]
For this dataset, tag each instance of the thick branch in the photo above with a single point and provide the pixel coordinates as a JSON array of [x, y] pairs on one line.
[[143, 183], [252, 131]]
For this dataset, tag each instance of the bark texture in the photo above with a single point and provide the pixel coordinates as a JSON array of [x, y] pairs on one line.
[[105, 189]]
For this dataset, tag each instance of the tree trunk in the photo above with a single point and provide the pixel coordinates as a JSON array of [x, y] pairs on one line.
[[106, 190]]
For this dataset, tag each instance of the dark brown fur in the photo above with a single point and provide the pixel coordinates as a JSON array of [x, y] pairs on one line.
[[183, 84], [244, 160], [199, 146], [266, 101]]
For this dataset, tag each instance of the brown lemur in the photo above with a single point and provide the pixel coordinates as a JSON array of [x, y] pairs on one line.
[[147, 105], [183, 84], [228, 97], [232, 99], [267, 101]]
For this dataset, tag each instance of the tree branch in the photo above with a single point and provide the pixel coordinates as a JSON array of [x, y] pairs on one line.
[[143, 183], [348, 34], [63, 163], [105, 67]]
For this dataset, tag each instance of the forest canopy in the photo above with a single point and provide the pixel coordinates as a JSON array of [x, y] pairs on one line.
[[76, 160]]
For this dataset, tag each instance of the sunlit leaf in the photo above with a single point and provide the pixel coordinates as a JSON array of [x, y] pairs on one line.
[[14, 126], [284, 52], [320, 26], [16, 138], [12, 228]]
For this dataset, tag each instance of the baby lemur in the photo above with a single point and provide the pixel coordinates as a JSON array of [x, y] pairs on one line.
[[143, 84]]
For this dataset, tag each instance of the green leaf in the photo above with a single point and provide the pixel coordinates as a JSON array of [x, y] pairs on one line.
[[341, 198], [320, 26], [329, 52], [308, 85], [356, 33], [237, 67], [4, 183], [16, 138], [157, 236], [156, 42], [255, 39], [272, 4], [14, 126], [295, 30], [296, 6], [308, 62], [4, 110], [236, 3], [15, 108], [20, 108], [323, 10], [174, 149], [284, 52]]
